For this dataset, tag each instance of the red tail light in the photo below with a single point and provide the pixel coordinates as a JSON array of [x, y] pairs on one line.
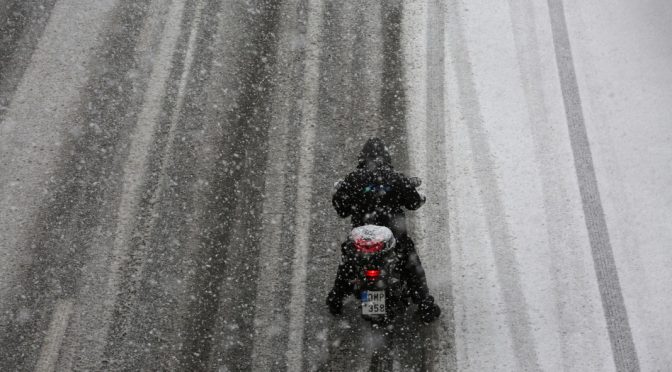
[[368, 246], [372, 274]]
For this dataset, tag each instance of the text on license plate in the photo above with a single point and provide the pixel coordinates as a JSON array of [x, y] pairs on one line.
[[373, 302]]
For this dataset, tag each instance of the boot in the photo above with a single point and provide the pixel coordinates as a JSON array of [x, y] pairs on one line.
[[335, 302], [428, 310]]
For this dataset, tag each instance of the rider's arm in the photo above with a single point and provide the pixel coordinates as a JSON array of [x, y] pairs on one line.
[[410, 197], [342, 200]]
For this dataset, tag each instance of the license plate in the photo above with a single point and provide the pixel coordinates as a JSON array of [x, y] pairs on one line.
[[373, 302]]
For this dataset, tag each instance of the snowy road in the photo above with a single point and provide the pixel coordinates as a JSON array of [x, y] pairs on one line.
[[166, 171]]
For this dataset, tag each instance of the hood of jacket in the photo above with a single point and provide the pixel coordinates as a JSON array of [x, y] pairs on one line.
[[374, 155]]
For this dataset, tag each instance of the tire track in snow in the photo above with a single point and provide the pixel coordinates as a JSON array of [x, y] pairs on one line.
[[270, 319], [21, 25], [616, 316], [393, 96], [101, 304], [429, 134], [220, 331], [437, 251], [567, 266], [505, 259], [234, 117], [32, 127], [50, 108], [53, 339], [297, 303], [136, 331], [348, 115]]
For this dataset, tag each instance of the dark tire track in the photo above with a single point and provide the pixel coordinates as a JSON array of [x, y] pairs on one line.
[[335, 105], [393, 95], [22, 22], [145, 330], [206, 210], [234, 202], [615, 312], [348, 113], [440, 337], [506, 264]]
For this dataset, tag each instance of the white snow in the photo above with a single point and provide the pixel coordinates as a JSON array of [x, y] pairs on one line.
[[515, 222]]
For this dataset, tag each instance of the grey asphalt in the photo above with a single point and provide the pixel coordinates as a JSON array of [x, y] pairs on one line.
[[187, 278], [166, 171]]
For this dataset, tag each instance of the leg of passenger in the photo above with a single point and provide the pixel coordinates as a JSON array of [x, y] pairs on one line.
[[413, 271], [342, 283], [417, 282]]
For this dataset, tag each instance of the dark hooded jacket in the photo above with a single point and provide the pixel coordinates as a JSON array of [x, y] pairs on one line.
[[375, 193]]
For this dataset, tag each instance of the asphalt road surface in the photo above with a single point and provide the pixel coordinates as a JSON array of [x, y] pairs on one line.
[[166, 170]]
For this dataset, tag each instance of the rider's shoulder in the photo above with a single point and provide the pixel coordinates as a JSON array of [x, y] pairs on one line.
[[397, 176], [384, 174], [356, 174]]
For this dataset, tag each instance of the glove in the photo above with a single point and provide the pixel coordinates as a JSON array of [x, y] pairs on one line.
[[337, 185], [428, 310]]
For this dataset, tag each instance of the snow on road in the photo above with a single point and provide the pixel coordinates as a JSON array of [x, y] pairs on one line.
[[34, 124], [166, 168], [521, 171]]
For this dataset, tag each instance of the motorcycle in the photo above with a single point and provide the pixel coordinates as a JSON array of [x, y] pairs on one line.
[[377, 283]]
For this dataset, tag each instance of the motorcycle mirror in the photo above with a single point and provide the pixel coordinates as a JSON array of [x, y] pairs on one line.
[[415, 181]]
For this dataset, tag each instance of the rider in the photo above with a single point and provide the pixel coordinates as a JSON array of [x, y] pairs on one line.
[[375, 194]]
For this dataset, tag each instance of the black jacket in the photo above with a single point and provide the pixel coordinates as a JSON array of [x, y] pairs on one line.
[[375, 193]]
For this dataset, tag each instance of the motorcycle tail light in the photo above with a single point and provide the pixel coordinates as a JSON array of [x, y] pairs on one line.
[[372, 274], [368, 246]]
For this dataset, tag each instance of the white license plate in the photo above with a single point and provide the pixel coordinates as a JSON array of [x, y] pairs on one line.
[[373, 302]]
